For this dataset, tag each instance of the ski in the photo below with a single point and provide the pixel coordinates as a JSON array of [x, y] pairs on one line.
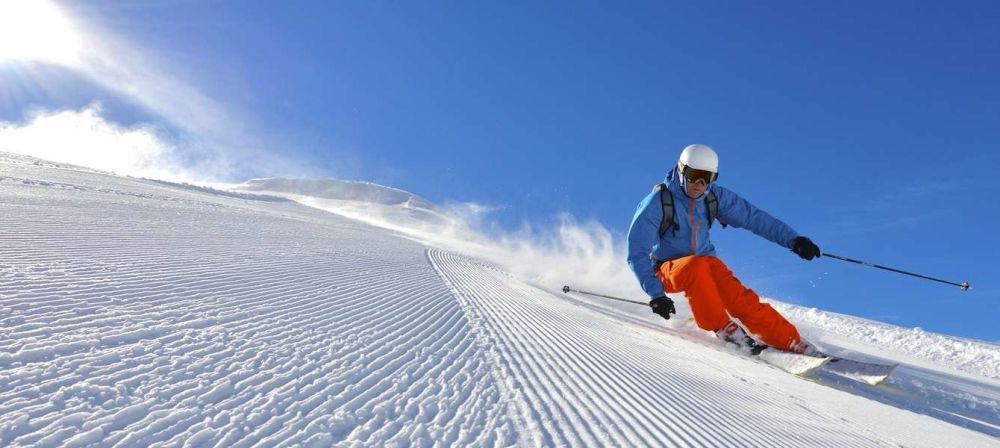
[[807, 366], [862, 371], [793, 363]]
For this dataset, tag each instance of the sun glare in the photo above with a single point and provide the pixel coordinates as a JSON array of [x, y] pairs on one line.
[[36, 30]]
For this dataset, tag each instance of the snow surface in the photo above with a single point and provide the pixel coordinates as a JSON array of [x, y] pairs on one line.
[[142, 313]]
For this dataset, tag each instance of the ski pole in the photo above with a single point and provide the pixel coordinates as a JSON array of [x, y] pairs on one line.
[[965, 285], [567, 289]]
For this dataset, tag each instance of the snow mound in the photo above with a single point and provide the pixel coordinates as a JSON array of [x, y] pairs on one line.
[[343, 190], [374, 204]]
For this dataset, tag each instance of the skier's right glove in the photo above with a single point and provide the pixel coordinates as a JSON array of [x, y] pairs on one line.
[[663, 306]]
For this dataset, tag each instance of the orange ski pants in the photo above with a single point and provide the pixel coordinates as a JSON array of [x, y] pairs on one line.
[[712, 291]]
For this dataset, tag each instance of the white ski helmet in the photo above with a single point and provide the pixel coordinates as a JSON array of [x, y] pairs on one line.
[[700, 157]]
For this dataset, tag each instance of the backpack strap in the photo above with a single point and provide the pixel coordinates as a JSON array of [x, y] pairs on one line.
[[669, 221], [667, 201], [713, 209]]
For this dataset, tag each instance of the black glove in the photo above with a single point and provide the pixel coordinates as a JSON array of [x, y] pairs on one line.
[[805, 248], [663, 306]]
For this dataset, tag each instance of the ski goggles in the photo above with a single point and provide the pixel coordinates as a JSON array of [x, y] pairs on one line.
[[694, 175]]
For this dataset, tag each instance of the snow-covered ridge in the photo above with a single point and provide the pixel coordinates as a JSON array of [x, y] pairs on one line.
[[345, 190], [365, 201]]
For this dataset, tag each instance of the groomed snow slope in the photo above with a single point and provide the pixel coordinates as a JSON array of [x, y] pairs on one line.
[[138, 313]]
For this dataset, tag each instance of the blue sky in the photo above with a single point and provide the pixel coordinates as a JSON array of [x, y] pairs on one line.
[[870, 127]]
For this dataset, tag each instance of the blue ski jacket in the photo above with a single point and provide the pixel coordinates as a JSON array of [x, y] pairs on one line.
[[646, 248]]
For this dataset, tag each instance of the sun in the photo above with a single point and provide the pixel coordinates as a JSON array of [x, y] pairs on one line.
[[36, 30]]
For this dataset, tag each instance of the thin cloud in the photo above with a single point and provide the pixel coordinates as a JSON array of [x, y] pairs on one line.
[[208, 140], [83, 137]]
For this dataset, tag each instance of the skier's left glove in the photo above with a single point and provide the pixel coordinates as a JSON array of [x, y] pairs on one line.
[[663, 306], [805, 248]]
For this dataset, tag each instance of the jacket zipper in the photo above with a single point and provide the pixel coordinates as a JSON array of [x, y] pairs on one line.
[[694, 229]]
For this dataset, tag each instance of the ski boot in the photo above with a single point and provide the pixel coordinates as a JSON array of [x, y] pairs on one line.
[[803, 347], [734, 333]]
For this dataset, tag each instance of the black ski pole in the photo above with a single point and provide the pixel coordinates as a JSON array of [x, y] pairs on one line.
[[965, 285], [567, 289]]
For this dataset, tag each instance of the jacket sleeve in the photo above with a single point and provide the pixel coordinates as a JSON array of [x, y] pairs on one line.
[[738, 212], [643, 235]]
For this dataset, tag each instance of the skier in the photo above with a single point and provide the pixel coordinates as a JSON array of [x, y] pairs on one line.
[[669, 251]]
